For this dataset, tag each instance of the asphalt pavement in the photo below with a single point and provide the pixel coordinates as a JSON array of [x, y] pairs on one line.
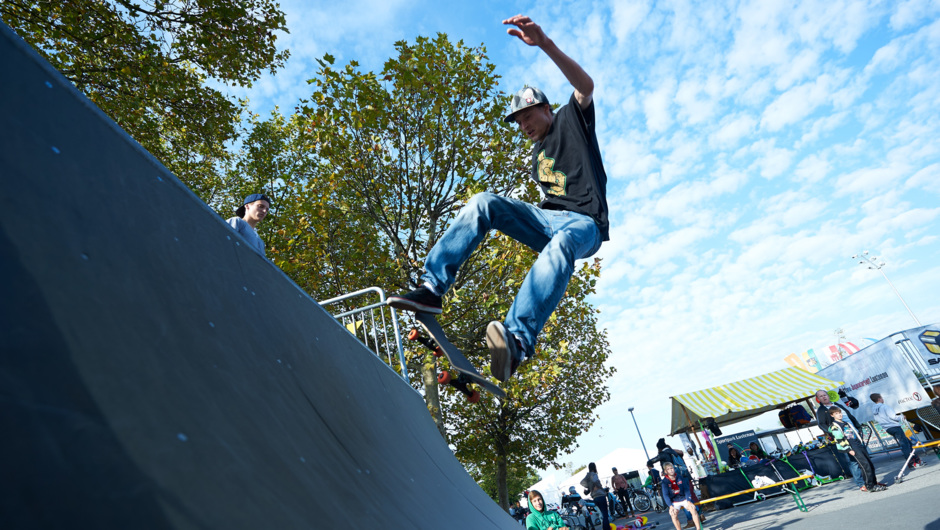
[[912, 504]]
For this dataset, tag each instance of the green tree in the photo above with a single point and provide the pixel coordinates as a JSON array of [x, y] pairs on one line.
[[146, 64], [408, 147], [520, 478]]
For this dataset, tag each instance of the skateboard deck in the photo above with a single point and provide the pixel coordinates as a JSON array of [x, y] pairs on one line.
[[458, 362]]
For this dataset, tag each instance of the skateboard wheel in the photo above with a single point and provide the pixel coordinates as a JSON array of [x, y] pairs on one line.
[[443, 378], [414, 334], [438, 352], [474, 397]]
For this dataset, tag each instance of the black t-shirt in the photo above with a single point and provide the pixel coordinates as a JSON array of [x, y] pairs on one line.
[[567, 166]]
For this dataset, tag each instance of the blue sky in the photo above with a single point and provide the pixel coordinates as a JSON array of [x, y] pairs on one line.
[[752, 148]]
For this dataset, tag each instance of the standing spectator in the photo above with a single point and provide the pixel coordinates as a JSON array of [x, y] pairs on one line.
[[888, 419], [619, 483], [247, 216], [541, 519], [847, 441], [592, 483], [825, 420], [677, 492]]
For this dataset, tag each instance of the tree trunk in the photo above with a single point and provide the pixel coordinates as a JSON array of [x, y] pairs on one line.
[[431, 396], [502, 488]]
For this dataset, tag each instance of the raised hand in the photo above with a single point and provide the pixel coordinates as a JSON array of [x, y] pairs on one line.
[[529, 32]]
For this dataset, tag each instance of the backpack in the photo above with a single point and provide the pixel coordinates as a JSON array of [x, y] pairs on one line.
[[798, 416], [785, 420], [678, 463]]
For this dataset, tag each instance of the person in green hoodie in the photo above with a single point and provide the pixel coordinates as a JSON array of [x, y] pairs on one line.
[[541, 519]]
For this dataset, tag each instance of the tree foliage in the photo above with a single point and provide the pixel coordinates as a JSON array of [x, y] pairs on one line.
[[146, 64]]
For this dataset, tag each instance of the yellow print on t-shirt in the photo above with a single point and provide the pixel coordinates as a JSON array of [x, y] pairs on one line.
[[554, 180]]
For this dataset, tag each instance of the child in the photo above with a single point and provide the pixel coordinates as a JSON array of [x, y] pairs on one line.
[[847, 441], [677, 492]]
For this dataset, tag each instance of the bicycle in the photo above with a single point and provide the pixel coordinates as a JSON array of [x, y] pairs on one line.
[[639, 499]]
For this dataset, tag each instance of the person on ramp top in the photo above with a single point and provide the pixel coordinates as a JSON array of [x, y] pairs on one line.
[[569, 223]]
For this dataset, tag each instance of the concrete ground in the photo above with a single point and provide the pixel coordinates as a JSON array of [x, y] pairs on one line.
[[911, 504]]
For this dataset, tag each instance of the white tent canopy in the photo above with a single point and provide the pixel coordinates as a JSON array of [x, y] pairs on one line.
[[740, 400]]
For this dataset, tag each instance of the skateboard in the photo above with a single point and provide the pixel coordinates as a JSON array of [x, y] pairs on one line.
[[466, 373]]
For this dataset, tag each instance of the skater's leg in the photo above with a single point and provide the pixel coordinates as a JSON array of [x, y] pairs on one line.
[[484, 212], [575, 236]]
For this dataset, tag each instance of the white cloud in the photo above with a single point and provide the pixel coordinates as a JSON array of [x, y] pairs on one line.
[[656, 106], [627, 157], [803, 66], [813, 168], [772, 161], [926, 178], [732, 129], [909, 12], [870, 180], [697, 99], [797, 103], [626, 17]]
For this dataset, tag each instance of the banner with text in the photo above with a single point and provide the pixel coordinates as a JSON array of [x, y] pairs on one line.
[[741, 440], [880, 368]]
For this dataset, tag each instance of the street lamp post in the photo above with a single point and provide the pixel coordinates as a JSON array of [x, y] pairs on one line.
[[638, 433], [876, 263]]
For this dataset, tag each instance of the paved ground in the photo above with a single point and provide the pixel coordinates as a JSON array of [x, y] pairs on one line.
[[912, 504]]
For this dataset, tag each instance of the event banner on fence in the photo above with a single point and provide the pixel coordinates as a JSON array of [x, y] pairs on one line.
[[880, 368]]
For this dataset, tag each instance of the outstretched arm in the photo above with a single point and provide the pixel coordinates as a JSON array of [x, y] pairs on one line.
[[530, 33]]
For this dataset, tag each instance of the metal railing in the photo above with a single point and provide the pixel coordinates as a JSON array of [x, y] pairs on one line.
[[370, 325]]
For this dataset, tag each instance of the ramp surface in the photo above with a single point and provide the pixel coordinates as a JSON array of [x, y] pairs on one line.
[[156, 372]]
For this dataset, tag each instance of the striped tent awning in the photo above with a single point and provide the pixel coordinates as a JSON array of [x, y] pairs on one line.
[[740, 400]]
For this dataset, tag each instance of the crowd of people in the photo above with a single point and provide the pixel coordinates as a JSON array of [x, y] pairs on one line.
[[677, 487]]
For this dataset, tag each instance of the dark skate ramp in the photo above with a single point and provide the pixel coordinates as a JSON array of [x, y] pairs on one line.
[[158, 373]]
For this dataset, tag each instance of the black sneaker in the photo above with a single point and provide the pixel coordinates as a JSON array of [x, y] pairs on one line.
[[506, 351], [421, 300]]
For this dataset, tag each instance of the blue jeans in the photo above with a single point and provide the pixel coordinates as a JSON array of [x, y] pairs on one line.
[[601, 503], [903, 442], [848, 462], [560, 237]]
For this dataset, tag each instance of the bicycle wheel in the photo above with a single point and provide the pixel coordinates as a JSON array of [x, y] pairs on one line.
[[641, 502], [616, 509]]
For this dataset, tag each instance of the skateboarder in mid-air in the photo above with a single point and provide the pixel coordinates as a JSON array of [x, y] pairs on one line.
[[569, 223]]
